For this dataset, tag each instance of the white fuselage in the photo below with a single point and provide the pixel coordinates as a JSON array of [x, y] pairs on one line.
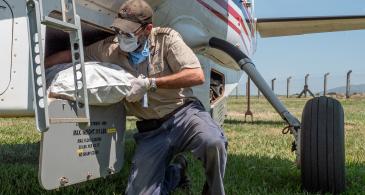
[[196, 20]]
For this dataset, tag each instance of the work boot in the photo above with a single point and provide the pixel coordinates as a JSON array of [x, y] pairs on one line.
[[205, 189], [181, 161]]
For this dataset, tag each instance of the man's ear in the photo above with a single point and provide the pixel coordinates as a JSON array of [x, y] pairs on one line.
[[149, 28]]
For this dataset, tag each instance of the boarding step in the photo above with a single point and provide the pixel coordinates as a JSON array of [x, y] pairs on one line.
[[68, 120], [58, 24]]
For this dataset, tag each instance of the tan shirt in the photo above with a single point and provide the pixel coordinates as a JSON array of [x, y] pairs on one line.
[[168, 55]]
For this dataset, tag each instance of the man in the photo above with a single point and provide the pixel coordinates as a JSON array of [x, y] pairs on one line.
[[174, 120]]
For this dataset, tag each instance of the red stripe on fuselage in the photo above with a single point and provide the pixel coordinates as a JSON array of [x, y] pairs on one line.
[[250, 18], [225, 19], [247, 12], [239, 18], [224, 4]]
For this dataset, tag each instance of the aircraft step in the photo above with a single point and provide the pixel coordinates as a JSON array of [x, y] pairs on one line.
[[68, 120], [58, 24]]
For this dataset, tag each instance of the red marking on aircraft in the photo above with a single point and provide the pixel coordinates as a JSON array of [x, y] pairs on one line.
[[224, 4], [249, 16], [225, 19]]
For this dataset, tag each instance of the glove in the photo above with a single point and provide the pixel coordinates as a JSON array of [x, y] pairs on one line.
[[140, 86]]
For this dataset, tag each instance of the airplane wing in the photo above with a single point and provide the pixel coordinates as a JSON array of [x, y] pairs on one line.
[[273, 27]]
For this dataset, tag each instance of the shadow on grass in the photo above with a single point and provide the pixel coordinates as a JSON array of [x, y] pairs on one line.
[[19, 175], [233, 121], [19, 153], [245, 174], [355, 178]]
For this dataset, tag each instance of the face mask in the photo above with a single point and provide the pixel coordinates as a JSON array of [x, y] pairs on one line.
[[137, 57], [128, 44]]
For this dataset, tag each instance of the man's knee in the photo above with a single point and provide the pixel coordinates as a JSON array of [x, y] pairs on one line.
[[216, 145]]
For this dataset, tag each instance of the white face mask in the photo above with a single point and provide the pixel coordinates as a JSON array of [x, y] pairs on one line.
[[128, 44]]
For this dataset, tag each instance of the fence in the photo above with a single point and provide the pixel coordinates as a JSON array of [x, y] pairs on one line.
[[335, 83]]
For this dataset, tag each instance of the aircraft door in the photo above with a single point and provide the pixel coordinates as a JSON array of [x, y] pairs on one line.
[[6, 46], [70, 153]]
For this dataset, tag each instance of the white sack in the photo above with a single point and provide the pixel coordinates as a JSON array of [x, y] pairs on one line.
[[106, 83]]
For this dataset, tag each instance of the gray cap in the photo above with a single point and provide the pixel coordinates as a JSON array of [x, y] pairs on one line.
[[132, 15]]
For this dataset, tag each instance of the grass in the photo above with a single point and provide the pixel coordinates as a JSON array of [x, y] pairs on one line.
[[259, 156]]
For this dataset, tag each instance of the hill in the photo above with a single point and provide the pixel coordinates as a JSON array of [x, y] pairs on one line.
[[354, 89]]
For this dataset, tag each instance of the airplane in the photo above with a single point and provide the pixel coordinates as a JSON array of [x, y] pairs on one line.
[[79, 142]]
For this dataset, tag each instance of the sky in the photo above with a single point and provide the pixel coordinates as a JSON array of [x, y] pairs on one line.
[[316, 54]]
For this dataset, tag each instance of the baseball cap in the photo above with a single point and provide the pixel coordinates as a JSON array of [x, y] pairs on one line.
[[132, 15]]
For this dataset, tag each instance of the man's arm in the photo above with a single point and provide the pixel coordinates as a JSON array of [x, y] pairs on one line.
[[187, 77], [92, 52], [184, 64], [58, 58]]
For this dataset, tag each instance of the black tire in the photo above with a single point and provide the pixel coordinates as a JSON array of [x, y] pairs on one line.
[[322, 146]]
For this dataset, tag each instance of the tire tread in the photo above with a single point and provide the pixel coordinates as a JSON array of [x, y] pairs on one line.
[[322, 146]]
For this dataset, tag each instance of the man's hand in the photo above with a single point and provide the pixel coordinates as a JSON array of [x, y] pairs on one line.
[[140, 86]]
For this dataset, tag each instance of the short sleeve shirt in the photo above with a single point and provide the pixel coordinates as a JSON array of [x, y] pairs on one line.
[[168, 55]]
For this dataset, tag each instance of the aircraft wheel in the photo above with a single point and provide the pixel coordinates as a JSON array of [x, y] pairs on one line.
[[322, 146]]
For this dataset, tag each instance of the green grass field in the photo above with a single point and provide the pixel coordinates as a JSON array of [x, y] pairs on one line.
[[259, 156]]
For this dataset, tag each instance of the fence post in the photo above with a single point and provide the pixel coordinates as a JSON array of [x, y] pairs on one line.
[[248, 94], [306, 84], [348, 84], [237, 90], [306, 89], [287, 86], [325, 84], [273, 84]]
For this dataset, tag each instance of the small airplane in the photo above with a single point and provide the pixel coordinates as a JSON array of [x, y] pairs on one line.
[[222, 33]]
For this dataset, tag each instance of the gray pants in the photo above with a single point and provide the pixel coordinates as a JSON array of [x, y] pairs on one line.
[[190, 129]]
